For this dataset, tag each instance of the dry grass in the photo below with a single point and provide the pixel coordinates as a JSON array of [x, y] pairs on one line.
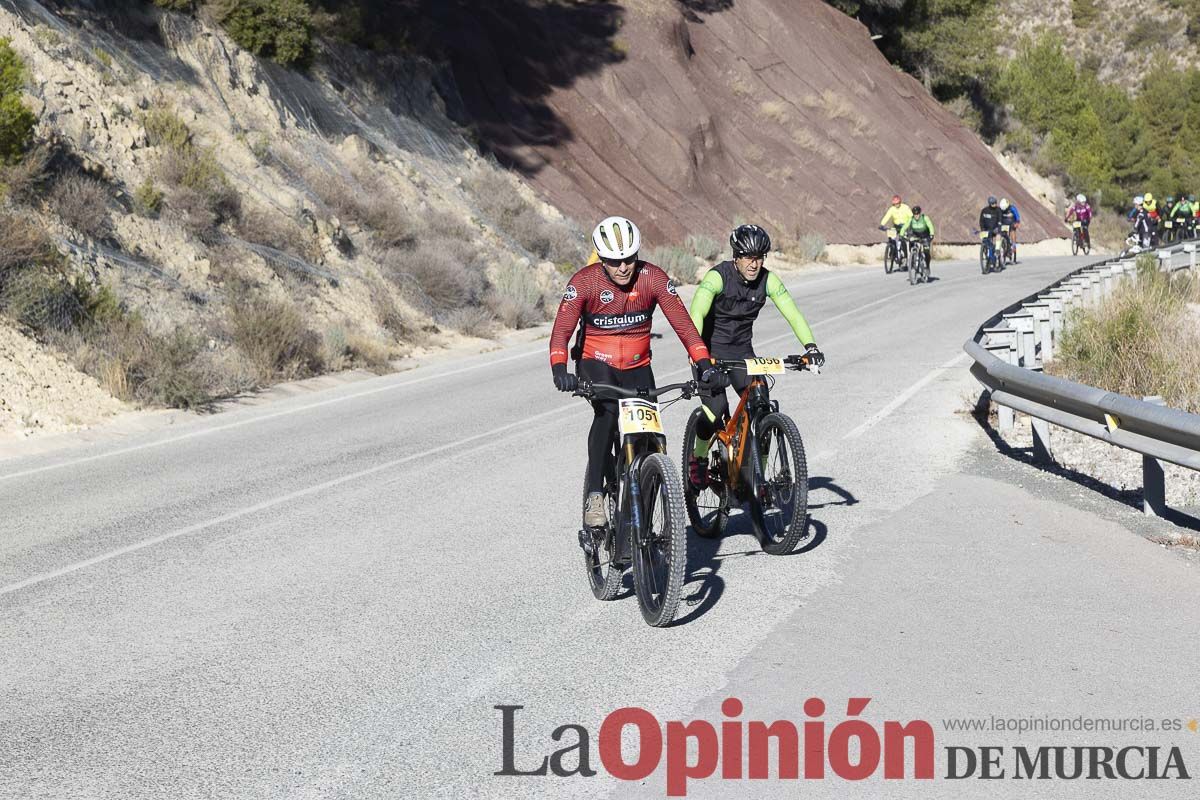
[[26, 181], [437, 278], [678, 262], [82, 203], [515, 296], [369, 201], [279, 232], [351, 350], [775, 111], [1109, 230], [500, 202], [1144, 340], [472, 321], [274, 336]]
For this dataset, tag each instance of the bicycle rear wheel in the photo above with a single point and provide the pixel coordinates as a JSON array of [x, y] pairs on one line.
[[603, 576], [707, 510], [780, 512], [660, 549]]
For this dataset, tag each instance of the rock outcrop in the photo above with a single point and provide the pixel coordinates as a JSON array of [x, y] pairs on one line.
[[703, 111]]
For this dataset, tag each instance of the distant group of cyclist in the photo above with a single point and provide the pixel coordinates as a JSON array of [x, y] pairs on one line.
[[1173, 220], [908, 227]]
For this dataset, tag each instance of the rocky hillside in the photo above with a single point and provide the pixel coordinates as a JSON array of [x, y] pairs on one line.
[[1119, 39], [689, 114], [190, 221]]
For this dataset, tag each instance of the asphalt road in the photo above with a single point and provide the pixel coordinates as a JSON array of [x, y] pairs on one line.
[[327, 596]]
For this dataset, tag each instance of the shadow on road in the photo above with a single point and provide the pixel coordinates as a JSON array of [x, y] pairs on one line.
[[1025, 455], [703, 585]]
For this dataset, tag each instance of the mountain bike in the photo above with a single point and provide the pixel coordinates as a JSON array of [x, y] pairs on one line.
[[918, 260], [646, 523], [1080, 241], [894, 255], [757, 458], [987, 253], [1168, 234], [1008, 254]]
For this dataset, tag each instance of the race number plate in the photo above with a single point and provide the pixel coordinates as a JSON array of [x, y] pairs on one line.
[[639, 416], [891, 233], [1004, 228], [1076, 224], [1167, 223], [983, 234], [764, 366]]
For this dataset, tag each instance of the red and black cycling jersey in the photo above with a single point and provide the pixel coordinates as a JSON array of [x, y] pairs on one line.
[[616, 319]]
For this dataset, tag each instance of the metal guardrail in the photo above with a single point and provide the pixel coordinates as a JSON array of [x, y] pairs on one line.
[[1011, 348]]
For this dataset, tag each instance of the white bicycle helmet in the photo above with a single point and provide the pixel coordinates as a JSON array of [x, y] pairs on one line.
[[1080, 198], [1137, 201], [617, 238], [1004, 203]]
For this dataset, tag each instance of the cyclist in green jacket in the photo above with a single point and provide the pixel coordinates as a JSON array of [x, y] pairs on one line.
[[724, 309], [919, 227]]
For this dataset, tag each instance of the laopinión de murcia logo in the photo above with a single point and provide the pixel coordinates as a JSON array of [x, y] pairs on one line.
[[852, 749]]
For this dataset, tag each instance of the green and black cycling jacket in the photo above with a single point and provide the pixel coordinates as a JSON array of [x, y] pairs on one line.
[[725, 307]]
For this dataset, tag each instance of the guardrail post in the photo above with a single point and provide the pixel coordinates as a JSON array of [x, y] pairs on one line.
[[1154, 479], [1002, 349], [1096, 282], [1022, 323], [1190, 249], [1041, 441], [1164, 261], [1041, 328]]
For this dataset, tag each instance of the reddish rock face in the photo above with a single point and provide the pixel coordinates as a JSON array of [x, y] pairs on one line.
[[700, 112]]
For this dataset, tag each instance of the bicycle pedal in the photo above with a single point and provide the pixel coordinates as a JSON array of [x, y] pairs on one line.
[[587, 542]]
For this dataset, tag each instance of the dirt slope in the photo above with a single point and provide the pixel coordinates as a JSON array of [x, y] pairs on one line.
[[706, 110]]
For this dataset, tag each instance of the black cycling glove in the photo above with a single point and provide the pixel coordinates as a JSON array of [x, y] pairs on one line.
[[563, 380], [814, 354], [710, 377]]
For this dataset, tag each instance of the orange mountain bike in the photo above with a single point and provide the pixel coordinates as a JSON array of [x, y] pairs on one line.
[[757, 458]]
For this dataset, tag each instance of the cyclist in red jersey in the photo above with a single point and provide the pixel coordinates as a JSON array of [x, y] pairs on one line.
[[613, 303]]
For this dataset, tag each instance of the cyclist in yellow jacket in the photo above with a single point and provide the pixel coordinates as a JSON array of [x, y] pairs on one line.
[[897, 216]]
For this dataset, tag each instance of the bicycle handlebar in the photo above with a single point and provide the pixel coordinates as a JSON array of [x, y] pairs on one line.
[[796, 363], [608, 391]]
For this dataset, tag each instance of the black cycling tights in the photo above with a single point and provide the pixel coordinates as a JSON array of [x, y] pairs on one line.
[[601, 452], [718, 404]]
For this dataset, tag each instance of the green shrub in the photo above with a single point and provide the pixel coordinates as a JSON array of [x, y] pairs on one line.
[[147, 199], [176, 5], [16, 128], [165, 128], [12, 69], [280, 30], [1084, 12]]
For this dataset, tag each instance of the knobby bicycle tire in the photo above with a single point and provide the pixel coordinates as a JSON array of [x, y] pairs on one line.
[[715, 527], [604, 578], [793, 530], [660, 485]]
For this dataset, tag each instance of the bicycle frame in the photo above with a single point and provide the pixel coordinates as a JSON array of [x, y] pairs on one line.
[[740, 436]]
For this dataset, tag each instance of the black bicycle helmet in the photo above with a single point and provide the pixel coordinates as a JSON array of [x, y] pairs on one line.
[[749, 240], [916, 211], [992, 200]]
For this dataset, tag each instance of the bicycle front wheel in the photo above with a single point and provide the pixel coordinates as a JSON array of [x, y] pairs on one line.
[[660, 549], [983, 259], [780, 509], [599, 551], [888, 259], [706, 509], [1075, 245]]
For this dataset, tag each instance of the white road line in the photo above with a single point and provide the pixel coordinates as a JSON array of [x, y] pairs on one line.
[[903, 397], [264, 417], [275, 501]]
